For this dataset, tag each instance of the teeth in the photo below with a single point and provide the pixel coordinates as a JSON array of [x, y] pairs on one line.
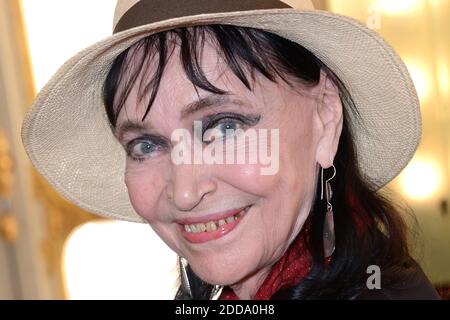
[[229, 219], [212, 225]]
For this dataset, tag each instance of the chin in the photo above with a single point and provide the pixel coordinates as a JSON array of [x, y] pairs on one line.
[[219, 274]]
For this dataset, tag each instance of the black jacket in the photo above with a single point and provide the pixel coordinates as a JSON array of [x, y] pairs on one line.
[[416, 287]]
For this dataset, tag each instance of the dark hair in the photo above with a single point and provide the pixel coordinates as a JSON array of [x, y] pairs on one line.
[[369, 228]]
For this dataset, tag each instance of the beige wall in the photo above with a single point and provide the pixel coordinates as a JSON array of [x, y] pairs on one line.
[[421, 36], [21, 266]]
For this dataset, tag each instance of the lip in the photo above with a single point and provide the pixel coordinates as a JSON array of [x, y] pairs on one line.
[[210, 217], [221, 231]]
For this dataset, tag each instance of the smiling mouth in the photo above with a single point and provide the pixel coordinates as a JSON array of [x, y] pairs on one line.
[[214, 225]]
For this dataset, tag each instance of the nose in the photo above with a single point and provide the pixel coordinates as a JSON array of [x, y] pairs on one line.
[[189, 186]]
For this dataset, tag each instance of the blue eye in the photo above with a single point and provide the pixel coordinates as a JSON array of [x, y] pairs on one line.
[[229, 125], [215, 126], [145, 147], [221, 127], [142, 148]]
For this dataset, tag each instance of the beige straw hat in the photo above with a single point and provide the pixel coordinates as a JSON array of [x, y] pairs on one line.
[[66, 132]]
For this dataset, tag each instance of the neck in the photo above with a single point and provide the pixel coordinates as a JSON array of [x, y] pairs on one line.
[[247, 288]]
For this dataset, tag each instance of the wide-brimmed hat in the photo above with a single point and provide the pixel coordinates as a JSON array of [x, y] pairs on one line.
[[66, 132]]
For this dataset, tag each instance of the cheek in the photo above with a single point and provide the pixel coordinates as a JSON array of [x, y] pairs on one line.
[[298, 152], [292, 169], [144, 184], [247, 178]]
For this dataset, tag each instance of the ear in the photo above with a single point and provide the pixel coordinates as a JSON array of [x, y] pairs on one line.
[[330, 114]]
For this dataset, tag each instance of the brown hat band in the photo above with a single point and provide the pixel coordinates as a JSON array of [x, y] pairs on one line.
[[149, 11]]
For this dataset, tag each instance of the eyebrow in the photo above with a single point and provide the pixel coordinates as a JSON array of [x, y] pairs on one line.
[[213, 100], [128, 126]]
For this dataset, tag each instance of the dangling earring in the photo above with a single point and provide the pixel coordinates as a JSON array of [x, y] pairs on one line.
[[185, 285], [328, 226]]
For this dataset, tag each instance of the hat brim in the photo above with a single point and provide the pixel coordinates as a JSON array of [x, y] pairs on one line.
[[67, 136]]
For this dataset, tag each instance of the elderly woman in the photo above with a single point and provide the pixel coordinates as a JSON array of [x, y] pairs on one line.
[[251, 136]]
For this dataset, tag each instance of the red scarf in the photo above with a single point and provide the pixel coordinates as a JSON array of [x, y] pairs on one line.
[[288, 271]]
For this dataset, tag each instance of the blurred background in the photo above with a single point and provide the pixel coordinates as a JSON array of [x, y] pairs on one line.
[[50, 249]]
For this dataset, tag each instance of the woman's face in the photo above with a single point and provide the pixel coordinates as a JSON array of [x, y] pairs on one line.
[[170, 196]]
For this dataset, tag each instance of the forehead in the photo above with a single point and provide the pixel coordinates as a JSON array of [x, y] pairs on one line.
[[176, 89]]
